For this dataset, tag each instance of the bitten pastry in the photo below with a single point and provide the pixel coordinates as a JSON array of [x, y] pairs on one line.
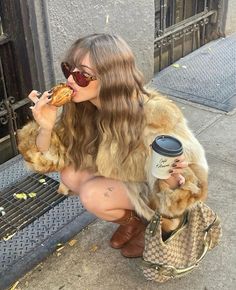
[[61, 94]]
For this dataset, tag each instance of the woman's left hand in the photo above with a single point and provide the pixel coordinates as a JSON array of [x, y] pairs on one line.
[[176, 171]]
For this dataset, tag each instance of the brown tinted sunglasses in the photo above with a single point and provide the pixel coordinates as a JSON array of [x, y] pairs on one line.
[[82, 79]]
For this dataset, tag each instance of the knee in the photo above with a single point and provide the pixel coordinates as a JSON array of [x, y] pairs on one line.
[[87, 194], [84, 190], [74, 179]]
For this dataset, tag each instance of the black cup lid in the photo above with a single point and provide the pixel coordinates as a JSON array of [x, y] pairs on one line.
[[167, 145]]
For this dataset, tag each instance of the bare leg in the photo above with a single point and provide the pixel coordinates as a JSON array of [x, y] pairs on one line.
[[104, 197], [108, 199]]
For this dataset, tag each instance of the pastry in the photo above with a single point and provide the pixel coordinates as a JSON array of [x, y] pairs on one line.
[[61, 94]]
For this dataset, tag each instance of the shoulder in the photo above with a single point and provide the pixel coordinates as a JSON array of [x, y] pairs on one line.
[[161, 112]]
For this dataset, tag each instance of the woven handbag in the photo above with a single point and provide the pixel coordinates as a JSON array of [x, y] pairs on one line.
[[184, 249]]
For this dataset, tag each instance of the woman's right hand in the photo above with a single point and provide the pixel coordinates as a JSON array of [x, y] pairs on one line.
[[44, 113]]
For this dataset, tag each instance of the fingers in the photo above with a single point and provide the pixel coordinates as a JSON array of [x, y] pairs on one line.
[[39, 99], [180, 162], [179, 159], [179, 178], [34, 96], [44, 99], [178, 165]]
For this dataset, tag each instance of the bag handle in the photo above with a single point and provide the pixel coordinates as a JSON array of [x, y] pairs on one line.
[[173, 271]]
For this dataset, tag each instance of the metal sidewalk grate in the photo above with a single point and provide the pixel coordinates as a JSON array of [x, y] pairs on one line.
[[25, 201], [206, 76], [34, 241]]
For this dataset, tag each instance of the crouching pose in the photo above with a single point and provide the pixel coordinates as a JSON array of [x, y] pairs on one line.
[[100, 142]]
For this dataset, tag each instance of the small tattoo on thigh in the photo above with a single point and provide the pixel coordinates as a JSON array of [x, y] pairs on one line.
[[106, 194]]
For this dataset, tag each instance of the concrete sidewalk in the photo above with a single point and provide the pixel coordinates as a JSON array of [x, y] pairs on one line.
[[91, 264]]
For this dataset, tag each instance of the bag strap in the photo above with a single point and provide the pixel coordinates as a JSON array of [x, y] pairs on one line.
[[154, 223], [157, 218]]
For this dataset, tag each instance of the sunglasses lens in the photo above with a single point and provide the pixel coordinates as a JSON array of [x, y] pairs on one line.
[[65, 69], [80, 79]]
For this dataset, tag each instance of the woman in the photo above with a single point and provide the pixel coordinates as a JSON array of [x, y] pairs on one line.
[[100, 142]]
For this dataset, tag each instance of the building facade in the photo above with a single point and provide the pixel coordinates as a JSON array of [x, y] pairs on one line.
[[34, 36]]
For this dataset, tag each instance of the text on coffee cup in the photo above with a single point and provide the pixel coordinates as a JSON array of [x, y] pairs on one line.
[[162, 163]]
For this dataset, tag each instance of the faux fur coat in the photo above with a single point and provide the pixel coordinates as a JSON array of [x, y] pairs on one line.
[[145, 191]]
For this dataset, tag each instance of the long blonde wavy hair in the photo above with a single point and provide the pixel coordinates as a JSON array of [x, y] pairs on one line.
[[120, 120]]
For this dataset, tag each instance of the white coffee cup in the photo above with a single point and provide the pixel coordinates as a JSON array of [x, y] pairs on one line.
[[165, 149]]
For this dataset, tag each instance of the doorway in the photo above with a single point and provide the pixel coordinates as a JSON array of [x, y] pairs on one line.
[[16, 67], [182, 26]]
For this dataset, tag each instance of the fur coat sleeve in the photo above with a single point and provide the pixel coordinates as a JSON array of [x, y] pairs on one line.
[[52, 160]]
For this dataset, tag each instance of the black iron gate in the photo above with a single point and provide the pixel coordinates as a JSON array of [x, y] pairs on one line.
[[181, 26], [15, 77]]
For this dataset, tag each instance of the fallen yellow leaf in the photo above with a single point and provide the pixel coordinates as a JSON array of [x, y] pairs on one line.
[[14, 285], [176, 65], [72, 242], [93, 248], [8, 237], [43, 181], [20, 195], [2, 211], [32, 194], [60, 247]]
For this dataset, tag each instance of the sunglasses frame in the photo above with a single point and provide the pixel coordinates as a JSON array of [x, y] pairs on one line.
[[79, 77]]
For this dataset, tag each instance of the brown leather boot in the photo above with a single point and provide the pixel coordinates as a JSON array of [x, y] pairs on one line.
[[130, 225], [134, 248]]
